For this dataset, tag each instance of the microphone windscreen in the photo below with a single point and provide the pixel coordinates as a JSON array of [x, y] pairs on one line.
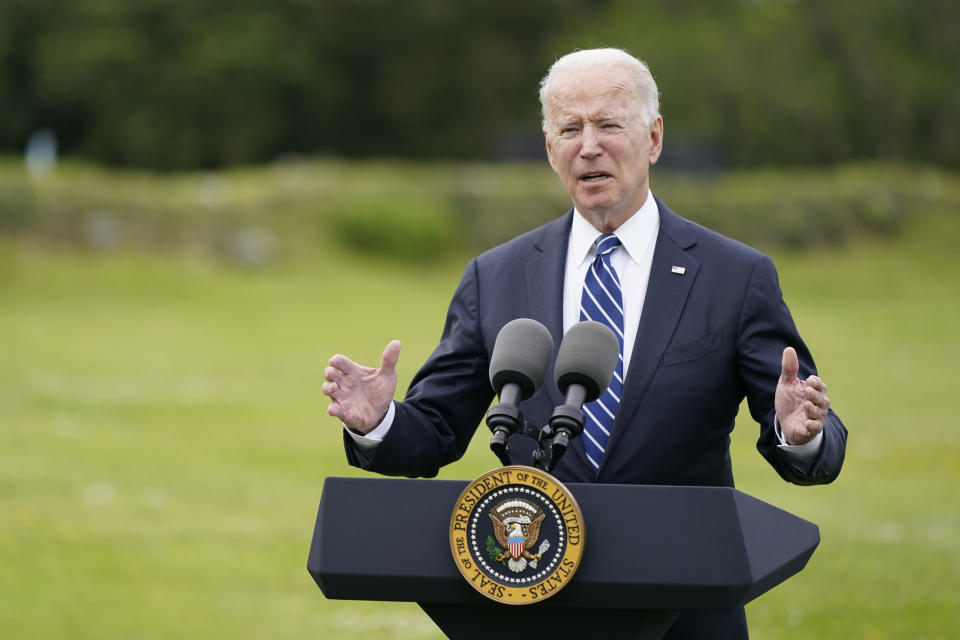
[[588, 355], [521, 355]]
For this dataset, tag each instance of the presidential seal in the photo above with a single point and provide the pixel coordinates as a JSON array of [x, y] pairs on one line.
[[517, 535]]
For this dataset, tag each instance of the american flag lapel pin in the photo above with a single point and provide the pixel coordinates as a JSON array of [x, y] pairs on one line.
[[678, 270]]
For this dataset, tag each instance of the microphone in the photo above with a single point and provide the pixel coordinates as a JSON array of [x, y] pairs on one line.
[[585, 363], [518, 366]]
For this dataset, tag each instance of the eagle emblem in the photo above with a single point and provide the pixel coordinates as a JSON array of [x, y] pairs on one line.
[[516, 525]]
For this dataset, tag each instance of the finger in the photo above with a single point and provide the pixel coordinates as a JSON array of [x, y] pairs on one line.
[[818, 398], [813, 411], [388, 362], [816, 383], [813, 427], [329, 389], [789, 365], [332, 374], [343, 363], [334, 409]]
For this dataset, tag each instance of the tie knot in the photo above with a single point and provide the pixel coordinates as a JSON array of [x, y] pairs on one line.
[[607, 243]]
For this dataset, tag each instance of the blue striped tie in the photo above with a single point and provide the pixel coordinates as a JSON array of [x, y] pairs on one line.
[[603, 302]]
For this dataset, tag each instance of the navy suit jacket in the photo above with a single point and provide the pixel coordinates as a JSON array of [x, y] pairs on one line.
[[708, 338]]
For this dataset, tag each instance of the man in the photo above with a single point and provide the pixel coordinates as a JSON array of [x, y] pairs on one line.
[[700, 317]]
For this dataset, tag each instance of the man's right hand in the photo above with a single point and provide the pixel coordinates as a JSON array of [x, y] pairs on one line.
[[360, 396]]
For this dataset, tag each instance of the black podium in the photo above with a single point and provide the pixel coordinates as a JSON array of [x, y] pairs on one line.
[[651, 552]]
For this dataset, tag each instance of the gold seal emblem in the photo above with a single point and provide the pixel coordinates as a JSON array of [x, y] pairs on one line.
[[517, 535]]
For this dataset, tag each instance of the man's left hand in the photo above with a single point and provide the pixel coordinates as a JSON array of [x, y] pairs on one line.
[[801, 405]]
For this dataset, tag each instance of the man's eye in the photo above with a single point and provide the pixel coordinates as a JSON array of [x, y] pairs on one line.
[[567, 130]]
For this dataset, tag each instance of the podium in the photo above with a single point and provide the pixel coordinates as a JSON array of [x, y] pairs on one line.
[[651, 552]]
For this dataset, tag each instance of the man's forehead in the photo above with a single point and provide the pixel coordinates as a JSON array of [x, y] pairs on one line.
[[601, 91], [613, 104]]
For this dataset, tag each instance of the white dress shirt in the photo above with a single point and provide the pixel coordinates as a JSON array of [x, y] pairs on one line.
[[631, 261]]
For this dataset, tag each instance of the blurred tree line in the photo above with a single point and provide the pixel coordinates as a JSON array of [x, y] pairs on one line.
[[179, 84]]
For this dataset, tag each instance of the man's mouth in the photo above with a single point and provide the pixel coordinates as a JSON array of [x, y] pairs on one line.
[[594, 176]]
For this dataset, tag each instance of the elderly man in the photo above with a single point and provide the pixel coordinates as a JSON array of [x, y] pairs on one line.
[[700, 317]]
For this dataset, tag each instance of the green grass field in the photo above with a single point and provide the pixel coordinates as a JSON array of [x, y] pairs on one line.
[[163, 440]]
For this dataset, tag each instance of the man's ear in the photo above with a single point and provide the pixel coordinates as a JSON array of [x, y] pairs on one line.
[[656, 139]]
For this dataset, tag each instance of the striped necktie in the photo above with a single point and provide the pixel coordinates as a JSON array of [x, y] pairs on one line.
[[602, 301]]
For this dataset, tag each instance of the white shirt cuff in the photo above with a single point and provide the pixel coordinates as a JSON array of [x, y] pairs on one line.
[[799, 452], [371, 440]]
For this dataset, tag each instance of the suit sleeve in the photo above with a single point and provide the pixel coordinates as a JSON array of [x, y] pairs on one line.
[[446, 399], [766, 329]]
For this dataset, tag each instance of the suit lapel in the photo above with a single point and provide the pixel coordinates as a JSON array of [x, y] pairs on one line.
[[666, 297], [545, 287]]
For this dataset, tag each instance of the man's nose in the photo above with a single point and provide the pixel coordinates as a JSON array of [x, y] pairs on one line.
[[590, 146]]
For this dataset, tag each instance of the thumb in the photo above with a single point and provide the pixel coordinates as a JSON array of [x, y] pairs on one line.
[[789, 366], [388, 362]]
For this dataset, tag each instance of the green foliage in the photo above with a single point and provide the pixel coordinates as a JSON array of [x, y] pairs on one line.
[[395, 229], [494, 552], [806, 208], [169, 84], [759, 83], [172, 84], [418, 212], [15, 203]]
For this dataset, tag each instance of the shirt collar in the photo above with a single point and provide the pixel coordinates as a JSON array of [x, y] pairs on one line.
[[635, 234]]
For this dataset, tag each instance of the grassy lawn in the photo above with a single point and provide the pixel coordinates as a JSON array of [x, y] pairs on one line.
[[163, 440]]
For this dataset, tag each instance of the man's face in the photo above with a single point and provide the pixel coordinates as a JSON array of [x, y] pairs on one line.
[[599, 145]]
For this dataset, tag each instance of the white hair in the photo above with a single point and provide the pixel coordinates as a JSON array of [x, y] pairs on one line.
[[648, 96]]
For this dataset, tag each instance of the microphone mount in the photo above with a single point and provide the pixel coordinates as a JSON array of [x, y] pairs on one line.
[[515, 441], [504, 419]]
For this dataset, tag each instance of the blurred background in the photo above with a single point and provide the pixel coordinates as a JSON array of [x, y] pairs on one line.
[[200, 202]]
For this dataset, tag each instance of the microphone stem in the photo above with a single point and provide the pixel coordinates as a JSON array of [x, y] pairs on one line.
[[510, 394], [576, 395]]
